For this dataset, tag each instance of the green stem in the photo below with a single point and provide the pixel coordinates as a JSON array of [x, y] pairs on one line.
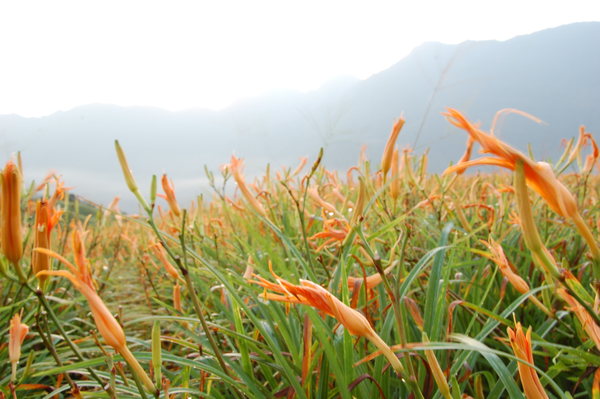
[[194, 297], [138, 370], [48, 344]]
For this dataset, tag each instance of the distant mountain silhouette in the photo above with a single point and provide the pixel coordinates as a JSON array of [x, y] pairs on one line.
[[553, 74]]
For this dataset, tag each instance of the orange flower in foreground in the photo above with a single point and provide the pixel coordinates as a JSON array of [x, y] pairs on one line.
[[539, 175], [309, 293], [10, 206], [16, 336], [82, 280], [106, 323], [521, 346]]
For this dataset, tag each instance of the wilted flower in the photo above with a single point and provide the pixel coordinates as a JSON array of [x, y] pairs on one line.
[[587, 322], [309, 293], [507, 270]]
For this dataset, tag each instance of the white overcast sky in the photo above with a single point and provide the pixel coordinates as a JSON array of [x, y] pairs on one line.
[[55, 55]]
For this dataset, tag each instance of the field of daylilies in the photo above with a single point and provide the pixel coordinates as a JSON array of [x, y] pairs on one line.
[[382, 281]]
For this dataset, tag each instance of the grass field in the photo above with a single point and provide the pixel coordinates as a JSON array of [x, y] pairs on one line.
[[380, 282]]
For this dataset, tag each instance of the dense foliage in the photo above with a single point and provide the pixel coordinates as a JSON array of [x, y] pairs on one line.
[[251, 294]]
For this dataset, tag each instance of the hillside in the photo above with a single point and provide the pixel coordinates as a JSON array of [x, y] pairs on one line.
[[552, 74]]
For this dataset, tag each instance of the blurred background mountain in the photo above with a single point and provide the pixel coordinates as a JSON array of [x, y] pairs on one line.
[[552, 74]]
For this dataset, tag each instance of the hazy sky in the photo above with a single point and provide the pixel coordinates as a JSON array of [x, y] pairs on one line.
[[177, 55]]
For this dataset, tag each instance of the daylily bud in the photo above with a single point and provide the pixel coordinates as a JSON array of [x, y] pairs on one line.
[[43, 225], [16, 336], [177, 297], [162, 257], [587, 322], [129, 179], [157, 354], [386, 159], [12, 245], [236, 171], [107, 325], [153, 190], [360, 203], [415, 312], [521, 345], [170, 195], [395, 184]]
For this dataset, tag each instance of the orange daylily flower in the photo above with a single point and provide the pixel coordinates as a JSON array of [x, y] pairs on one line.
[[509, 272], [177, 297], [587, 322], [45, 220], [592, 158], [16, 336], [372, 281], [467, 154], [388, 152], [170, 195], [81, 278], [497, 255], [159, 251], [575, 152], [299, 167], [521, 346], [113, 208], [539, 175], [395, 184], [235, 166], [331, 233], [311, 294], [314, 194]]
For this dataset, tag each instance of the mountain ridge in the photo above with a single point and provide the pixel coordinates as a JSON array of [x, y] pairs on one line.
[[551, 74]]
